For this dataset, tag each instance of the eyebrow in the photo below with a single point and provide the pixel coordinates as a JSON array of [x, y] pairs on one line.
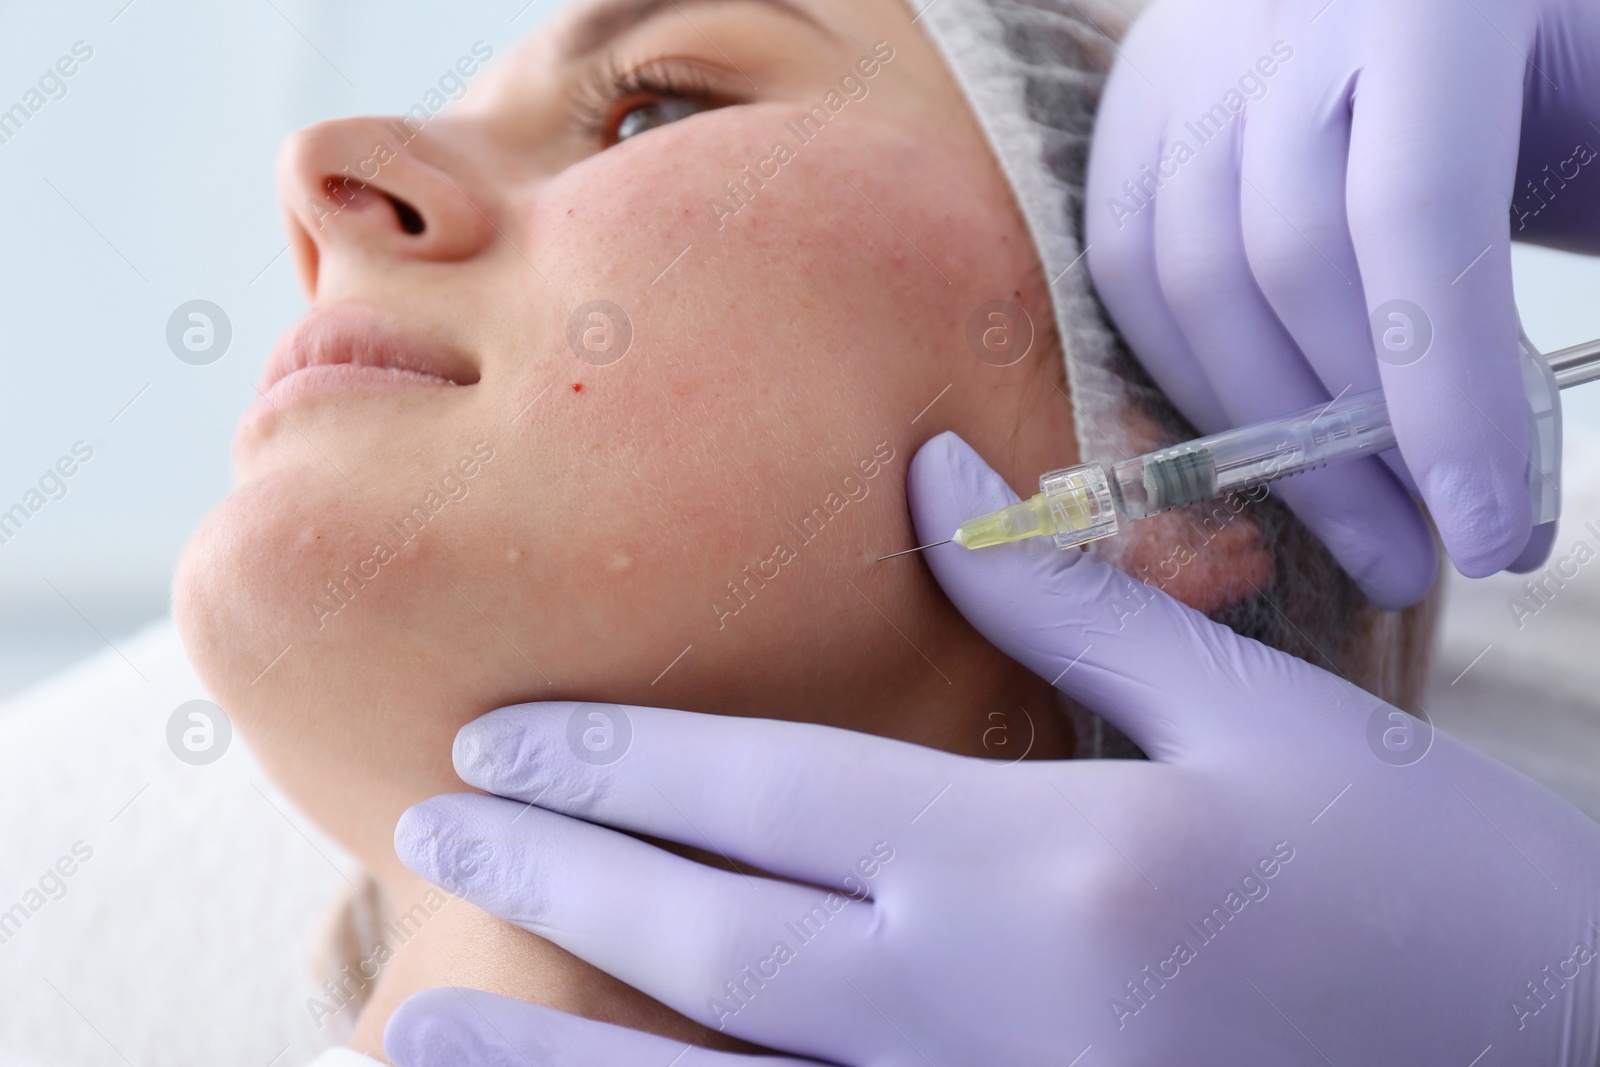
[[613, 17]]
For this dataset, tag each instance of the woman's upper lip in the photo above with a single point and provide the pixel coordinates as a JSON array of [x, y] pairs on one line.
[[359, 335]]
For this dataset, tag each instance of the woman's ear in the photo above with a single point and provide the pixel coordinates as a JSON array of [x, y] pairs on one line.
[[1208, 556]]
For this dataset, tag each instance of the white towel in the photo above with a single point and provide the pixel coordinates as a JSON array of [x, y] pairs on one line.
[[185, 938]]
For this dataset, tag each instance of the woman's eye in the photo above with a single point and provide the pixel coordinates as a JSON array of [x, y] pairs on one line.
[[615, 104], [651, 114]]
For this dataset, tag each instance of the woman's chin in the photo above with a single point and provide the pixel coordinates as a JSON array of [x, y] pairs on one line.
[[247, 584], [217, 599], [320, 710]]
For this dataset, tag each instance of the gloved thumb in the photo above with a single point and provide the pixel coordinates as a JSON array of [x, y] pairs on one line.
[[1155, 668]]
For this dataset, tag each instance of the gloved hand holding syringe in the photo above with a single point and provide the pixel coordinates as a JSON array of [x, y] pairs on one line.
[[1078, 505]]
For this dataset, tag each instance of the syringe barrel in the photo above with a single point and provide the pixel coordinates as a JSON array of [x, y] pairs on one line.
[[1241, 459]]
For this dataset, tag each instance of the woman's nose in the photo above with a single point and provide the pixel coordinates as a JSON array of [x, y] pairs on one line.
[[373, 188]]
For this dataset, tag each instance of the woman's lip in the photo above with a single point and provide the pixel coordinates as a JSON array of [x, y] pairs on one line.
[[350, 347], [345, 334], [324, 379]]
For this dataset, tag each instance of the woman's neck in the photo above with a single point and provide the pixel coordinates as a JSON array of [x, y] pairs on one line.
[[988, 707], [433, 939]]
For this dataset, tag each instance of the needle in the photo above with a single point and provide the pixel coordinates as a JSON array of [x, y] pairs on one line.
[[908, 551]]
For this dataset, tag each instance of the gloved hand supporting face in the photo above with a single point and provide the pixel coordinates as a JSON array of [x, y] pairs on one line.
[[1300, 874]]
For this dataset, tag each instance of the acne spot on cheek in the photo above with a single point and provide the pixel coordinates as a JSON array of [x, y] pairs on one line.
[[577, 387], [514, 555], [620, 563]]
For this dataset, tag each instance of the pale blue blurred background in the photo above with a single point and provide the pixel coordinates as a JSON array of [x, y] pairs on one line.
[[147, 185], [150, 184]]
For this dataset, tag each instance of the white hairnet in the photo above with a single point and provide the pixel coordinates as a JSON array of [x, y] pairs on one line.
[[1032, 70]]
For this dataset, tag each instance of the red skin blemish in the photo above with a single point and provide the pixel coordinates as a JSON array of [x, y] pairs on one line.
[[577, 387]]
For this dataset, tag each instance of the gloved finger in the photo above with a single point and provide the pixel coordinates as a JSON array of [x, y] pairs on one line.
[[785, 797], [1159, 671], [1536, 553], [1433, 241], [455, 1027], [1358, 509], [1119, 220], [1297, 232], [668, 926]]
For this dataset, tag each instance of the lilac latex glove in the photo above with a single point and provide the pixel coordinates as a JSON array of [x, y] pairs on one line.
[[1300, 874], [1333, 176]]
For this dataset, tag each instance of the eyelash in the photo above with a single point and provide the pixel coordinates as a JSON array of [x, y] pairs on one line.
[[595, 100]]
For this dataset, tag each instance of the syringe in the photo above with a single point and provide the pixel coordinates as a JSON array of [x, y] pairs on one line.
[[1077, 505]]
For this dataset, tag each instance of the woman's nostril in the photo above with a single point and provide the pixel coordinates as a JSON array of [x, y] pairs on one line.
[[410, 218], [346, 191]]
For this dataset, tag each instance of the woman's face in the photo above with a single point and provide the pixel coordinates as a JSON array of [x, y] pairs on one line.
[[703, 275]]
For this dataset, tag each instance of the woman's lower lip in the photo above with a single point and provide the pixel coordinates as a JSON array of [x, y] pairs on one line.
[[308, 382]]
